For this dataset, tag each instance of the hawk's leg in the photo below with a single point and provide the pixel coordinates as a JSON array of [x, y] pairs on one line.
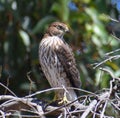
[[61, 97], [64, 100]]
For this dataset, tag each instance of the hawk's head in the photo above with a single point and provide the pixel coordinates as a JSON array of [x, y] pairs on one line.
[[57, 29]]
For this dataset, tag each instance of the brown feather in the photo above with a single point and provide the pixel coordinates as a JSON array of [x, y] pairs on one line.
[[66, 58]]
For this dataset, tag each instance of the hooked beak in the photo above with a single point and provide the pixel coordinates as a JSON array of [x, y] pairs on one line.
[[67, 30]]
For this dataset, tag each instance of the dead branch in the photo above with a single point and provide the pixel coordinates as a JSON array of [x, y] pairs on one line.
[[93, 104]]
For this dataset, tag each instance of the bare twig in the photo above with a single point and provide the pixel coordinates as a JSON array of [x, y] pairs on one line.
[[89, 109], [113, 35], [31, 82], [103, 111], [108, 71], [112, 19], [7, 89], [109, 53], [108, 59], [58, 88], [7, 85]]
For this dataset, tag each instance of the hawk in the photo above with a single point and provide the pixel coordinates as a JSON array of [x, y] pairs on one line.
[[57, 61]]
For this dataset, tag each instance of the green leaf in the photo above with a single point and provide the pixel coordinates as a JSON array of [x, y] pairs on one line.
[[25, 37], [96, 40]]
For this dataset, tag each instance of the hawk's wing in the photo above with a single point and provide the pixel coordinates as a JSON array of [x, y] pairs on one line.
[[67, 60]]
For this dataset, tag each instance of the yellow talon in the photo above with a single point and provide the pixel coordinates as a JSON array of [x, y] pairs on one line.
[[64, 101]]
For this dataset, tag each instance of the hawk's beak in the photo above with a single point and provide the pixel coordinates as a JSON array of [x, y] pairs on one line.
[[67, 30]]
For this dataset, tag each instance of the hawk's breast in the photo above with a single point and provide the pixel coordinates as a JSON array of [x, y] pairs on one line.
[[50, 63]]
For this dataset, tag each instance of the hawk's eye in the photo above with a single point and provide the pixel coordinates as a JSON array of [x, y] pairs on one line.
[[60, 27]]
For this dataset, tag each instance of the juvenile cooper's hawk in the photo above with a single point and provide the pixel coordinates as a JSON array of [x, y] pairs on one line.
[[57, 61]]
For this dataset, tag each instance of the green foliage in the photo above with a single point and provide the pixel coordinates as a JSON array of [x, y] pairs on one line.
[[22, 25]]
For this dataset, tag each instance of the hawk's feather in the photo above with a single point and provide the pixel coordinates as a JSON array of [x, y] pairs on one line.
[[67, 60]]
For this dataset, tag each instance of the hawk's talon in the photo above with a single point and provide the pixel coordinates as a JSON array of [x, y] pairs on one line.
[[64, 101]]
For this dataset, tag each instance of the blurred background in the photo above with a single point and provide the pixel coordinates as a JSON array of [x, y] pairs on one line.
[[23, 23]]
